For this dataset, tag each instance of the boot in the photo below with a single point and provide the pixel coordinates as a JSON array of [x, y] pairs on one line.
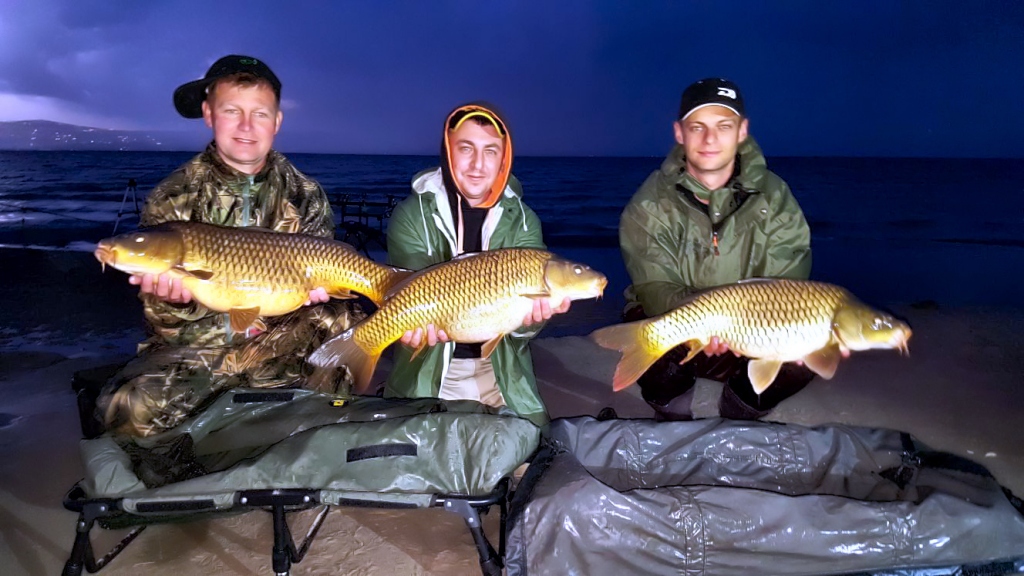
[[731, 406]]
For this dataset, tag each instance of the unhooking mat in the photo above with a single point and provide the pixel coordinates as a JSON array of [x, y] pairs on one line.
[[722, 498], [362, 449]]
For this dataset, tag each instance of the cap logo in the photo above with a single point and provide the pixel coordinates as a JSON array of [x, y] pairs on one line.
[[727, 92], [248, 61]]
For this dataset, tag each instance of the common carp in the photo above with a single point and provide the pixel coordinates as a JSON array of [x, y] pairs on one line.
[[248, 272], [770, 321], [477, 297]]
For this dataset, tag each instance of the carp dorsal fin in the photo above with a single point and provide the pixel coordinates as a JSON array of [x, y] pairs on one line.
[[242, 318], [758, 280], [825, 361], [762, 373], [488, 347], [397, 278], [405, 277]]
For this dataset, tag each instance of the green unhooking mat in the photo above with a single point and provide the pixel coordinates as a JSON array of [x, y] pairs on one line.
[[362, 449]]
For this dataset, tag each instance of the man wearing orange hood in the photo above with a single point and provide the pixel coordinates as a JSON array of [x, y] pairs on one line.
[[471, 203]]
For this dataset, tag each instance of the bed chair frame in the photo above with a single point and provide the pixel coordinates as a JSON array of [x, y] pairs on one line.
[[108, 513]]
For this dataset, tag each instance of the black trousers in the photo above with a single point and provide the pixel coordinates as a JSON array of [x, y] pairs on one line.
[[668, 385]]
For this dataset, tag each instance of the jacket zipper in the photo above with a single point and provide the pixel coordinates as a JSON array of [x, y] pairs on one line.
[[246, 219], [246, 208]]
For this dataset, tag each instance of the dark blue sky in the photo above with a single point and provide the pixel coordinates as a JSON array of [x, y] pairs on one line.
[[874, 78]]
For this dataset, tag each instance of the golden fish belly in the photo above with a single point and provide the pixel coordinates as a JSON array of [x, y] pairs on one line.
[[223, 295], [780, 320], [240, 257], [470, 322], [485, 321], [472, 300]]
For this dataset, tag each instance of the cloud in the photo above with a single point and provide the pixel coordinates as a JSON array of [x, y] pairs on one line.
[[575, 76], [15, 107]]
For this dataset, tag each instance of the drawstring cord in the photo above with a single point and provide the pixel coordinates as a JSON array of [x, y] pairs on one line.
[[522, 211], [423, 217]]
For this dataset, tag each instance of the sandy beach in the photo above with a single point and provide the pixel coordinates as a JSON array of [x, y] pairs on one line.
[[958, 391]]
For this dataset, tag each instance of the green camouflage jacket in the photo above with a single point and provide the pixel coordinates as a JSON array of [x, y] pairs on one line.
[[206, 190], [673, 245]]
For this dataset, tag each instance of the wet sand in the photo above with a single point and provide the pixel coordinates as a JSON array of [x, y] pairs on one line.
[[958, 391]]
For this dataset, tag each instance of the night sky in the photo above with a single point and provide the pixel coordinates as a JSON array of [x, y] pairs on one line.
[[858, 78]]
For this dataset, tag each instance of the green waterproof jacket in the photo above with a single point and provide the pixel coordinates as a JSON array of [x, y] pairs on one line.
[[674, 245], [421, 232], [205, 189]]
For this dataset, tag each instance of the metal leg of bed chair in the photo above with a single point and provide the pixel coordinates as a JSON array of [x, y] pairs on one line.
[[490, 562], [285, 552], [504, 522], [283, 544], [82, 553]]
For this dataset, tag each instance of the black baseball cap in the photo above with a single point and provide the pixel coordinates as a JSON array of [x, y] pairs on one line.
[[711, 92], [189, 97]]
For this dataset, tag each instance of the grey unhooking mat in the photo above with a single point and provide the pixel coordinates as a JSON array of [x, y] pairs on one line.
[[722, 498], [364, 449]]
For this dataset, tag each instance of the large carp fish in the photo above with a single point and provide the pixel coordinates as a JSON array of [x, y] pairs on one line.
[[770, 321], [477, 297], [248, 272]]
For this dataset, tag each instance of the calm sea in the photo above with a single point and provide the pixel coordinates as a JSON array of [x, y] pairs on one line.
[[892, 230]]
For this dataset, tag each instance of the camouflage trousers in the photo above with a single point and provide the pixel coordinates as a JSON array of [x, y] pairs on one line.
[[164, 385]]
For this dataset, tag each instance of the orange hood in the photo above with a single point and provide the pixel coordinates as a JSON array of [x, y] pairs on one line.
[[501, 180]]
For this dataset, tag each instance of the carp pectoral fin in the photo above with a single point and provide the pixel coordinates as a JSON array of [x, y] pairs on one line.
[[242, 318], [418, 349], [695, 347], [825, 361], [200, 273], [541, 294], [341, 294], [488, 347], [762, 373]]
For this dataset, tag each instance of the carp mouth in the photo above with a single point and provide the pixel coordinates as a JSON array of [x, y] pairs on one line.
[[105, 254], [901, 341]]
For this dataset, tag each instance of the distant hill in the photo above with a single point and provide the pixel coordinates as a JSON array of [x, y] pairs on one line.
[[46, 135]]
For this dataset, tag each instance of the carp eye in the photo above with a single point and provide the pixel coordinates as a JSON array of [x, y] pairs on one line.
[[577, 269], [879, 323], [140, 238]]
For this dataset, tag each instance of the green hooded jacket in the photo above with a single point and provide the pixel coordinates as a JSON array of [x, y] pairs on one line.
[[668, 239], [205, 189], [421, 232]]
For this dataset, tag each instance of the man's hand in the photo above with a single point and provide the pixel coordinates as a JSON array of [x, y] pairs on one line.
[[414, 338], [542, 310], [317, 296], [716, 347], [162, 286]]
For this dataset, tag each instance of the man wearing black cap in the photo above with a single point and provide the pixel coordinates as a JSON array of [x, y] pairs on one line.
[[713, 214], [239, 180]]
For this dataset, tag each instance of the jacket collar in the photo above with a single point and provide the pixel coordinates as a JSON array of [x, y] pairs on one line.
[[228, 173]]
